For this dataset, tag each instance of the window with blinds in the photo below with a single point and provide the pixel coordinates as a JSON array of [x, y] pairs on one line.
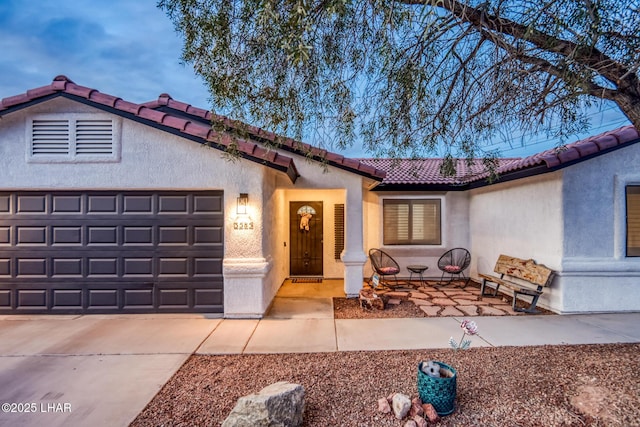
[[77, 138], [411, 222], [633, 220]]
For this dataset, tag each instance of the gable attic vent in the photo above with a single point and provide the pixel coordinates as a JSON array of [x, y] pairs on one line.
[[50, 137], [74, 138], [94, 137]]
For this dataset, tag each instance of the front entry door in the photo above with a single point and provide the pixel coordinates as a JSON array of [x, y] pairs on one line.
[[305, 235]]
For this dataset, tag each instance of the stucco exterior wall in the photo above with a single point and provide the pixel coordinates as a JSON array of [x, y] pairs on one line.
[[597, 276], [522, 218], [454, 222]]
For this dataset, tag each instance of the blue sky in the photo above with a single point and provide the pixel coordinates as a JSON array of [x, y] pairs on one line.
[[128, 48]]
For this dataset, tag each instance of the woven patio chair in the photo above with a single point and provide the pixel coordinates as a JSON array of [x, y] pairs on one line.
[[383, 264], [454, 262]]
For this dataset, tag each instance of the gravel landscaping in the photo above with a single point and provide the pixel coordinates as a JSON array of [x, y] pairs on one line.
[[585, 385], [577, 385]]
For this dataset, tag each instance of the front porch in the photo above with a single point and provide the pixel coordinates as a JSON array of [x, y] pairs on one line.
[[407, 299]]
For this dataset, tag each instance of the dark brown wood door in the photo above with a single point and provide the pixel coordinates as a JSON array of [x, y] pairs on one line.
[[305, 235]]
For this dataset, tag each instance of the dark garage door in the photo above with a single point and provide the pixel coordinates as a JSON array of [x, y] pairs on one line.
[[111, 252]]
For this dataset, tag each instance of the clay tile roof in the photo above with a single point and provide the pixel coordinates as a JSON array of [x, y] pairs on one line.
[[38, 92], [127, 106], [289, 144], [427, 171], [8, 102], [576, 151], [175, 122], [104, 99], [60, 82]]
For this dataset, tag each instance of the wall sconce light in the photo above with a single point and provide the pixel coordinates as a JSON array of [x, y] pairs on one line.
[[243, 201], [243, 221]]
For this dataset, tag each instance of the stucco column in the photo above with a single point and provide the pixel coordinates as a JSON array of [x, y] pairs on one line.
[[244, 290], [353, 256]]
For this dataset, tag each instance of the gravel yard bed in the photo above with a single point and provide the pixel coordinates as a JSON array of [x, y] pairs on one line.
[[349, 308], [585, 385]]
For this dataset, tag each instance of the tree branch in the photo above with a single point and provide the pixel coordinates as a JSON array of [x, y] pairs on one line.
[[587, 56]]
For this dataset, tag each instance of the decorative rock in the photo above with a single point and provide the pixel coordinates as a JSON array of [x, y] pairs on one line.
[[369, 300], [430, 412], [410, 423], [420, 422], [279, 404], [383, 405], [416, 407], [401, 405], [394, 301], [431, 368]]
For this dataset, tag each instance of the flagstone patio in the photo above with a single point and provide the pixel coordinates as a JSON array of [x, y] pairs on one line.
[[436, 299], [429, 298]]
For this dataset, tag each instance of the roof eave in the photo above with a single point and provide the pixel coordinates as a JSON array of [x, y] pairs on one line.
[[420, 187], [268, 138]]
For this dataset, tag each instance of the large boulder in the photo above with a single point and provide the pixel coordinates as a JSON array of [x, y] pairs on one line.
[[277, 405]]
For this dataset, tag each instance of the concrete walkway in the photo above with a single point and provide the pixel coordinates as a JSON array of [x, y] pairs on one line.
[[304, 325], [103, 370]]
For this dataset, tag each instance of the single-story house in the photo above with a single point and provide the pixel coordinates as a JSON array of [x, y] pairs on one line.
[[108, 206]]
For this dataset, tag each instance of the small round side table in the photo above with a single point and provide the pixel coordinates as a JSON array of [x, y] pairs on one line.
[[417, 269]]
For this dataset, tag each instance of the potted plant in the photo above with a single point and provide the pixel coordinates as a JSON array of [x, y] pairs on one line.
[[437, 381]]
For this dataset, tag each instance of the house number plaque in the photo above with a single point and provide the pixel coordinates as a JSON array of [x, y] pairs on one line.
[[238, 225]]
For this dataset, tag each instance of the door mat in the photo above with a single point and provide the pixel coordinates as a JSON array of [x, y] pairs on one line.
[[307, 280]]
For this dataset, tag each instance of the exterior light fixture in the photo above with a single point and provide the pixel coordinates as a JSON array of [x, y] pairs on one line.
[[243, 221], [243, 201]]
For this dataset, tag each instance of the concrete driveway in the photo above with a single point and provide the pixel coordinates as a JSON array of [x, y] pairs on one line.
[[90, 370]]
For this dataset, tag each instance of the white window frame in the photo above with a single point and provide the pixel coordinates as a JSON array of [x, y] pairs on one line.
[[72, 156], [443, 210], [621, 182]]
